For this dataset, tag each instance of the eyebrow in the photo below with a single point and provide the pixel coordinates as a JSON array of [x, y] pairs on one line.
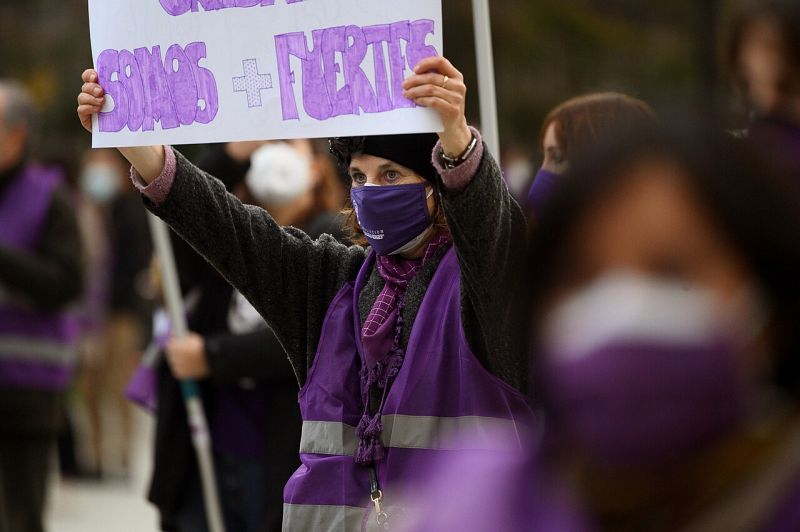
[[390, 166], [382, 168]]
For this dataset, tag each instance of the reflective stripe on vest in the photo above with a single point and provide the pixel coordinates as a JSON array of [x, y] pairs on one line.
[[36, 351], [413, 432], [321, 518]]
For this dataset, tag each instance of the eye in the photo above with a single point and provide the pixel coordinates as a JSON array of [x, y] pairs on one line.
[[392, 175], [359, 178]]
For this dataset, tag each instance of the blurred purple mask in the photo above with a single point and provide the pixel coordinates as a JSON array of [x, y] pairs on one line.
[[541, 189], [640, 371]]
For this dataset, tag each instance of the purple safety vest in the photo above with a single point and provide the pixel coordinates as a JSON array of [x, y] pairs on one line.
[[37, 348], [441, 399]]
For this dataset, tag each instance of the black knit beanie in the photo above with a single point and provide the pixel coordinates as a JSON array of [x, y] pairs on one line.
[[413, 151]]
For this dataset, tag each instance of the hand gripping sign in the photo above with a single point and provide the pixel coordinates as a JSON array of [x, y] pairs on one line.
[[195, 71]]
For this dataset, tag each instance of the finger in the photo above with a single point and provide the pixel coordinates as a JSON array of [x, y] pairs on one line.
[[88, 99], [437, 79], [89, 75], [92, 88], [427, 91], [85, 111], [444, 108], [438, 64]]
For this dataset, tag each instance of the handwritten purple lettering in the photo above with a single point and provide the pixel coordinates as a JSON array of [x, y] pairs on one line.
[[177, 8], [405, 43], [145, 90]]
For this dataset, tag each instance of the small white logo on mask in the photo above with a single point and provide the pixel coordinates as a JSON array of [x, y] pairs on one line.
[[374, 235]]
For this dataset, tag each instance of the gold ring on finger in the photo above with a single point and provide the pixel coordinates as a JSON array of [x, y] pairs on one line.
[[444, 82]]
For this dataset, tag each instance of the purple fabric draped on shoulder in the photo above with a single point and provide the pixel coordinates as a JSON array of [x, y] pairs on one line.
[[475, 491]]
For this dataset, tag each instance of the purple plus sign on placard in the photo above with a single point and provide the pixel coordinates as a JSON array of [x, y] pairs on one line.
[[252, 83]]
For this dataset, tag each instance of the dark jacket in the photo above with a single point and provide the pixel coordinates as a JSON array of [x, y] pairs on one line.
[[51, 279], [291, 278], [256, 355], [132, 249]]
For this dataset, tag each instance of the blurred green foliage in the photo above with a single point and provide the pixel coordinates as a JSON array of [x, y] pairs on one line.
[[665, 51]]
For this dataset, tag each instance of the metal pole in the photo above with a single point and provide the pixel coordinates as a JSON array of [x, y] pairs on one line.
[[189, 388], [486, 82]]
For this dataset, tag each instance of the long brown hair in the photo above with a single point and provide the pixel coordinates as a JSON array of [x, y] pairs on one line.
[[580, 121]]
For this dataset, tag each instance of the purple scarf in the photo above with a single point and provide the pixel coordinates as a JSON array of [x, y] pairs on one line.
[[397, 272], [380, 338]]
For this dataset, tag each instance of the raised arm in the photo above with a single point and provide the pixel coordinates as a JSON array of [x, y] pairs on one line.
[[487, 225], [289, 278]]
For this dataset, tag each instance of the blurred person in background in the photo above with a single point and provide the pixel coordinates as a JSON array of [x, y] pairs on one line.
[[119, 252], [573, 127], [329, 194], [663, 311], [93, 190], [248, 385], [40, 277], [764, 58], [518, 171]]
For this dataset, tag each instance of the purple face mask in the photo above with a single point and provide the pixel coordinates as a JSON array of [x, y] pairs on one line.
[[391, 216], [640, 372], [541, 189]]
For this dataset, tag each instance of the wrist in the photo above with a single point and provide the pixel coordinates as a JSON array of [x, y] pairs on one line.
[[147, 160], [449, 162], [456, 142]]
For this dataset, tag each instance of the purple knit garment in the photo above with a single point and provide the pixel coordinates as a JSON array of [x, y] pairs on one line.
[[397, 272], [384, 355]]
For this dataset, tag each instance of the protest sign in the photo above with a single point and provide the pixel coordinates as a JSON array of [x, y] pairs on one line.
[[196, 71]]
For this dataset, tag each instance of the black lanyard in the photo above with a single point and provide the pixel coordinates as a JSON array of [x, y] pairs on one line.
[[376, 495]]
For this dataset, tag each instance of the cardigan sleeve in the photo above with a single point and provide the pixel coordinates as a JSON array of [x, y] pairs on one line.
[[288, 277], [489, 233]]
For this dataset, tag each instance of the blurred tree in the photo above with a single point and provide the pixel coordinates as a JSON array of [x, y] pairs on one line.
[[45, 44], [546, 51], [549, 50]]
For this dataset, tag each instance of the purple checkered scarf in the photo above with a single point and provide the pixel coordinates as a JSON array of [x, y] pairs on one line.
[[380, 338], [397, 272]]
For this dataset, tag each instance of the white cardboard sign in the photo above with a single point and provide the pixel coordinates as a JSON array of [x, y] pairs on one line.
[[196, 71]]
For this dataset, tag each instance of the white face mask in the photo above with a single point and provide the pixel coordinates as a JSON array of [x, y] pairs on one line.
[[100, 182]]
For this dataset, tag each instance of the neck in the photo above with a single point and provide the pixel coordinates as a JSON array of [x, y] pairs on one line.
[[788, 110], [416, 253], [674, 495], [419, 249], [8, 173], [282, 215]]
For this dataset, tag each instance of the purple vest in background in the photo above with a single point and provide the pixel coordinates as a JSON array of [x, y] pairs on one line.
[[37, 348], [442, 400]]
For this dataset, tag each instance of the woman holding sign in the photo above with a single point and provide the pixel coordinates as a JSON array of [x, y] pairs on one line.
[[401, 343]]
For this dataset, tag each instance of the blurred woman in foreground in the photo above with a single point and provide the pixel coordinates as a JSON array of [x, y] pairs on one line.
[[664, 311]]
